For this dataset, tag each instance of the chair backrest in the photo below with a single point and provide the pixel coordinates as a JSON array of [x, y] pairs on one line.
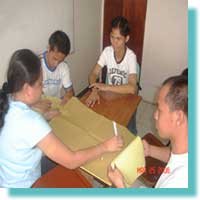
[[138, 68]]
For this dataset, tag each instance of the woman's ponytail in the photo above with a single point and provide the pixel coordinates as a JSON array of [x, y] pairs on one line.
[[4, 104]]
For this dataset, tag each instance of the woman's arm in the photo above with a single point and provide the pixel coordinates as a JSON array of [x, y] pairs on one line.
[[60, 153]]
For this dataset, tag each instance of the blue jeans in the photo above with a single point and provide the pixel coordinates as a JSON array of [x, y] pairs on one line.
[[132, 124], [46, 165]]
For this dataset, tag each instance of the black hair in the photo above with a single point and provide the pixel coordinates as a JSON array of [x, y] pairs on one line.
[[185, 72], [121, 23], [60, 41], [24, 67], [177, 96]]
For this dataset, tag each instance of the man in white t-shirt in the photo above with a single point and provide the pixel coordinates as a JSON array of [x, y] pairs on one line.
[[120, 62], [172, 123], [56, 74], [56, 80]]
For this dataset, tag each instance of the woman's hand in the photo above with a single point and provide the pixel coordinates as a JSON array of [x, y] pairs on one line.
[[113, 144], [42, 106], [49, 115]]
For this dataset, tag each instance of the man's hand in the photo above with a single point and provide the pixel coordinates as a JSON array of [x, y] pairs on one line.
[[100, 86], [64, 101], [93, 98], [147, 148], [69, 93], [116, 177]]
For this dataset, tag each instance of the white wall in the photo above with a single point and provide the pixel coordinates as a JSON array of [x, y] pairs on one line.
[[165, 42], [17, 20], [28, 24], [165, 50], [87, 41]]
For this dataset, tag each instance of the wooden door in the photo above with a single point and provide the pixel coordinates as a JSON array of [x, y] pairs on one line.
[[135, 12]]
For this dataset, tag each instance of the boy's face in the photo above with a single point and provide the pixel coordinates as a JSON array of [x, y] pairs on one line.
[[117, 40], [163, 116], [54, 58]]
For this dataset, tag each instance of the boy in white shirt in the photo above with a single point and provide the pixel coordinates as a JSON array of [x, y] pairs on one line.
[[172, 123], [56, 74], [56, 79]]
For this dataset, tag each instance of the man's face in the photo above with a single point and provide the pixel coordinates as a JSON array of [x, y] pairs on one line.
[[54, 58], [118, 41], [163, 116]]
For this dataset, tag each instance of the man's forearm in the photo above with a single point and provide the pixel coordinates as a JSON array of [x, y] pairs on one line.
[[68, 95], [160, 153], [122, 89], [93, 78]]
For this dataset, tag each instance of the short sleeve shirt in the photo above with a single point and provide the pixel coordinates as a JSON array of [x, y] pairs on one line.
[[176, 173], [118, 73], [20, 157], [54, 80]]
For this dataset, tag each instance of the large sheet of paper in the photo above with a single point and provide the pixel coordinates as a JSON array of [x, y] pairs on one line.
[[79, 127]]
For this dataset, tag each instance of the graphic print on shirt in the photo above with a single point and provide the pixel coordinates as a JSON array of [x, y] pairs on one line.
[[117, 76], [50, 81]]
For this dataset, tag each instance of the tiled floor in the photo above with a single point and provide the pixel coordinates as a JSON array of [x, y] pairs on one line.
[[144, 118]]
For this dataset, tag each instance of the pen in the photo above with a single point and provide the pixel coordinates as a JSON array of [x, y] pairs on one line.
[[115, 128]]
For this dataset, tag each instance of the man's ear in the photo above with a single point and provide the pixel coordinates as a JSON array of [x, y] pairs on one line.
[[127, 38], [180, 117]]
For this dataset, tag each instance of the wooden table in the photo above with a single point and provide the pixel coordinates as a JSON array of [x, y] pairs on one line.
[[60, 177], [119, 108]]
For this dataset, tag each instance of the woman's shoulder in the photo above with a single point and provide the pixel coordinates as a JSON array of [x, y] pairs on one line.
[[24, 112]]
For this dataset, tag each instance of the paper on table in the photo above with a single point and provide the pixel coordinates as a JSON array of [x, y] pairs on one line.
[[79, 127], [130, 160]]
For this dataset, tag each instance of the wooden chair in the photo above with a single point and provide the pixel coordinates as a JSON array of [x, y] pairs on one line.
[[154, 167], [61, 177]]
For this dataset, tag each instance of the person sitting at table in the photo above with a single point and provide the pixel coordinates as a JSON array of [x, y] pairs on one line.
[[121, 66], [172, 122], [56, 74], [25, 134]]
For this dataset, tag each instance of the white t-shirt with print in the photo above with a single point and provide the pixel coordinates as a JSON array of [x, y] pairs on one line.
[[117, 73], [54, 80], [178, 173]]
